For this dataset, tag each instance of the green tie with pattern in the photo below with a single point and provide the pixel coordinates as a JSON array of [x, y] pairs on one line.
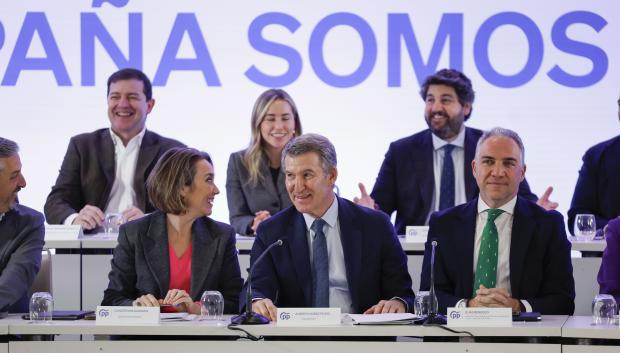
[[486, 269]]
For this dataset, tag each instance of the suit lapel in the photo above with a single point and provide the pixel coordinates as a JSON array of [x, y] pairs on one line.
[[465, 242], [204, 247], [471, 187], [108, 165], [425, 170], [148, 153], [300, 254], [156, 252], [267, 182], [352, 243], [523, 227]]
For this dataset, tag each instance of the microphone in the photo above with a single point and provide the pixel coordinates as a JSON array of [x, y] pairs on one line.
[[433, 318], [249, 317]]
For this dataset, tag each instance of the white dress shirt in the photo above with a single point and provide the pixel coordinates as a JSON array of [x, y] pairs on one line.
[[122, 194], [458, 160], [339, 296], [504, 231]]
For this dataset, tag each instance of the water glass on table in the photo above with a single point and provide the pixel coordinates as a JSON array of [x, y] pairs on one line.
[[422, 303], [212, 305], [41, 307], [585, 227], [112, 222], [604, 309]]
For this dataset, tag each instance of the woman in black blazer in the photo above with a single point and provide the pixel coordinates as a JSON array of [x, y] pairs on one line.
[[171, 256], [254, 181]]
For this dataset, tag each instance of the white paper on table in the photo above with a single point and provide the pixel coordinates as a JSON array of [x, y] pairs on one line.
[[381, 319]]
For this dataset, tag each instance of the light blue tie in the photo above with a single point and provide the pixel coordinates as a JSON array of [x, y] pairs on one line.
[[446, 190], [320, 266]]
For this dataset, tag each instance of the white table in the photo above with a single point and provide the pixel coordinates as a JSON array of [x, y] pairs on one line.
[[80, 278], [550, 327], [583, 333]]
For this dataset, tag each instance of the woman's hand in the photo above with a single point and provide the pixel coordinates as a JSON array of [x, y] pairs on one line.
[[181, 300]]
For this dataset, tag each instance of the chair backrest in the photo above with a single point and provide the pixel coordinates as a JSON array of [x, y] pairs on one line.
[[43, 280]]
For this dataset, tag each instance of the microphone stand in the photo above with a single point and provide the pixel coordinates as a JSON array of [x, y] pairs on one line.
[[434, 318], [249, 317]]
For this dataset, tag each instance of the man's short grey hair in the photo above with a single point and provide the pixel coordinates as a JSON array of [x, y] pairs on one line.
[[312, 143], [500, 131], [8, 148]]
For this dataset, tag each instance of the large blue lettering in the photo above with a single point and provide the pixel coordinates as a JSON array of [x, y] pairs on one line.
[[399, 26], [1, 35], [36, 22], [93, 28], [369, 54], [263, 45], [186, 23], [481, 49], [598, 57]]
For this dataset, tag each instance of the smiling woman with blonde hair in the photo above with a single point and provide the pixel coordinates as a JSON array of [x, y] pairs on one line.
[[254, 181]]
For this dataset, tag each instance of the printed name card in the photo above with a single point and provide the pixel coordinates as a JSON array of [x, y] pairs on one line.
[[416, 233], [480, 317], [62, 232], [127, 315], [308, 317]]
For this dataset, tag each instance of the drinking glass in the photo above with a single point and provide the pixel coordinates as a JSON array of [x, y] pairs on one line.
[[41, 307], [212, 305], [422, 303], [112, 222], [585, 227], [604, 309]]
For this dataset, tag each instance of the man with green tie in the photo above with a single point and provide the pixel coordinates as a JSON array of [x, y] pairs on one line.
[[500, 250]]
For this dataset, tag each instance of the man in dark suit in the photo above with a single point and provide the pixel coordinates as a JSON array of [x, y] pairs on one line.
[[21, 234], [598, 188], [500, 250], [335, 253], [105, 171], [413, 180]]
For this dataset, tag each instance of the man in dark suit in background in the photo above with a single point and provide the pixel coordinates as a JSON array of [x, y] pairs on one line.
[[335, 253], [21, 234], [500, 250], [598, 188], [105, 171], [416, 179]]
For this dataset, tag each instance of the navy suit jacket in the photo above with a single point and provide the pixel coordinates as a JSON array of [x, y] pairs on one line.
[[540, 266], [141, 261], [406, 180], [376, 265], [88, 171], [21, 241], [598, 187], [609, 273]]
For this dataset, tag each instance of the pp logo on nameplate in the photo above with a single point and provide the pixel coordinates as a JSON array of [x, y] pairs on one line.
[[416, 233], [126, 315], [308, 317]]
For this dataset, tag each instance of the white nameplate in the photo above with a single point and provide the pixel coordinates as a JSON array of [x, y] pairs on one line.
[[413, 233], [308, 317], [480, 317], [127, 315], [62, 232]]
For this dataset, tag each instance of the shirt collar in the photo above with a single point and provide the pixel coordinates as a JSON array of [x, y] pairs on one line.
[[459, 141], [330, 216], [138, 138], [508, 207]]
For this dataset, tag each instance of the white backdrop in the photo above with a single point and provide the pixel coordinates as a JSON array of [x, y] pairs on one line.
[[557, 123]]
